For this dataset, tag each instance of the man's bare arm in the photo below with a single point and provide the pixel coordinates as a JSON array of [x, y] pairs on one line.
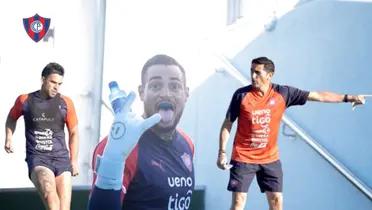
[[74, 149], [224, 138], [10, 127], [330, 97]]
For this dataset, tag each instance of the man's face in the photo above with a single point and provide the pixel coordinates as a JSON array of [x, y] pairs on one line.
[[50, 84], [260, 77], [164, 92]]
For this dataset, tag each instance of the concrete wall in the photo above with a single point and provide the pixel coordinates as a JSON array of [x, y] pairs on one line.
[[320, 45], [325, 45]]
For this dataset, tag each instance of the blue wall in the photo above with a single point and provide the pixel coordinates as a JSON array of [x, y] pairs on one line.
[[321, 45], [325, 45]]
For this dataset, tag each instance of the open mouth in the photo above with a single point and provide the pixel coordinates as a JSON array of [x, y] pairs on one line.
[[166, 111], [165, 106]]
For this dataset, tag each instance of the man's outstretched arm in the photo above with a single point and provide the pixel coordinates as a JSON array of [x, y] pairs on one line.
[[330, 97]]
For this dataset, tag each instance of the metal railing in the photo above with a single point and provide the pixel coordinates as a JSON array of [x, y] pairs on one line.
[[342, 169]]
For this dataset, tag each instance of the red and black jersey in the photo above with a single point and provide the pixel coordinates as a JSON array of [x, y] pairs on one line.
[[44, 122], [158, 174], [259, 120]]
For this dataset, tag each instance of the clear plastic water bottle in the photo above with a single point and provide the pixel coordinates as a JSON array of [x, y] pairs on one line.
[[116, 97]]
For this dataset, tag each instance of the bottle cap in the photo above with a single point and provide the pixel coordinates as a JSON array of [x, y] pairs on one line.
[[113, 85]]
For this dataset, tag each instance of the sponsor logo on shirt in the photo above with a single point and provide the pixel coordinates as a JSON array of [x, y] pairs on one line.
[[44, 140], [261, 119], [178, 201], [157, 164], [43, 118]]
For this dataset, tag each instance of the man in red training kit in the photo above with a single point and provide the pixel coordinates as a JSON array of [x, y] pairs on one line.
[[259, 108]]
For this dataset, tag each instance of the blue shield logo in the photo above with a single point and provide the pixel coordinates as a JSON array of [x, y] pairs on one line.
[[36, 27]]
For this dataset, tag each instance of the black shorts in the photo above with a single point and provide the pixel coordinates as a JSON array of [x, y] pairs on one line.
[[269, 176], [56, 165]]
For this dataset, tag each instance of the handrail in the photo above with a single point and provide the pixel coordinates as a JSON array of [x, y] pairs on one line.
[[106, 106], [307, 138]]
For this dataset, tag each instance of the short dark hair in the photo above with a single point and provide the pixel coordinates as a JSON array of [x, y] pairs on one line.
[[52, 68], [268, 64], [160, 59]]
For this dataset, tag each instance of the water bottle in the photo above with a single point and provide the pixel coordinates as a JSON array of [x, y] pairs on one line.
[[116, 97]]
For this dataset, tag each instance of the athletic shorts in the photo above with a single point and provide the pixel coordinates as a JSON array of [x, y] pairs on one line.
[[269, 176], [56, 165]]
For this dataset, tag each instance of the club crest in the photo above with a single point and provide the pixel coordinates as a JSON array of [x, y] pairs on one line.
[[36, 27], [187, 161]]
